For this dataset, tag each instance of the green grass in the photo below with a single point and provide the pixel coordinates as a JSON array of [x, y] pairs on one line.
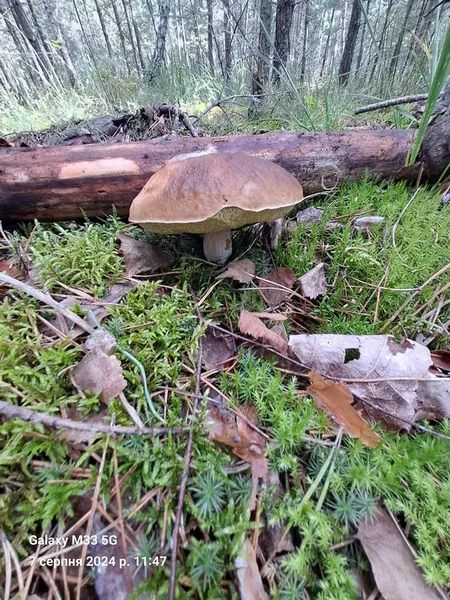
[[159, 325]]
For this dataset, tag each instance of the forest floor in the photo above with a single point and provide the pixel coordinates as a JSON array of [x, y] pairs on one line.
[[287, 493]]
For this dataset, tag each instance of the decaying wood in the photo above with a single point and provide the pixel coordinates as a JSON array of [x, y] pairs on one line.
[[63, 183]]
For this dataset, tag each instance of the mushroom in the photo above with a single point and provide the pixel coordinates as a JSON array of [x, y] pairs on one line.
[[213, 194]]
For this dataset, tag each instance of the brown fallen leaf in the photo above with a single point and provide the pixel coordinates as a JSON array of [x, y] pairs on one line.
[[248, 444], [140, 257], [313, 283], [396, 574], [399, 382], [247, 572], [273, 539], [270, 316], [100, 373], [11, 270], [217, 349], [250, 324], [441, 359], [280, 281], [240, 270], [337, 400]]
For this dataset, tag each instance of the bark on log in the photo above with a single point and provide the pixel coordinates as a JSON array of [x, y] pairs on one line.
[[63, 183]]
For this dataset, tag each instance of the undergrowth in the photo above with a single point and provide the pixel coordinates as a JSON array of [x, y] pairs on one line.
[[157, 322]]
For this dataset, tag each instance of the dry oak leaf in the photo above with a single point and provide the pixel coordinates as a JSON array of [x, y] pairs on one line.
[[249, 324], [400, 387], [240, 270], [396, 573], [313, 283], [337, 400], [247, 443], [249, 578], [100, 373], [276, 286], [140, 257], [441, 359], [217, 349]]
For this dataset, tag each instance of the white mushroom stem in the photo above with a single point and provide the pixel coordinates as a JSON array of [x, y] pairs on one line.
[[217, 246]]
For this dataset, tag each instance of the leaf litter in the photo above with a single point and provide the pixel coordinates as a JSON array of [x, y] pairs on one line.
[[399, 389]]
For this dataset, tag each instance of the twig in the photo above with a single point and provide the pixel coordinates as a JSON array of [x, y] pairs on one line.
[[90, 522], [120, 514], [391, 102], [19, 412], [185, 474], [394, 229], [46, 299]]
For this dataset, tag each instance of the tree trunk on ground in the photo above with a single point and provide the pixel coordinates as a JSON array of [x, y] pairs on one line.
[[350, 43], [227, 38], [261, 75], [62, 183], [285, 10], [209, 11], [160, 45], [305, 42]]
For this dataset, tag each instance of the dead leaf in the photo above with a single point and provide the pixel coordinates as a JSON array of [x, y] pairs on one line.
[[116, 582], [11, 270], [280, 280], [337, 400], [75, 437], [248, 444], [270, 316], [367, 223], [273, 539], [140, 257], [99, 311], [313, 283], [240, 270], [217, 349], [310, 215], [441, 359], [100, 373], [249, 324], [396, 574], [101, 339], [404, 389], [247, 572]]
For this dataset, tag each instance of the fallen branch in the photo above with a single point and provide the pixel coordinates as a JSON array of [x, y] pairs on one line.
[[391, 102], [10, 411]]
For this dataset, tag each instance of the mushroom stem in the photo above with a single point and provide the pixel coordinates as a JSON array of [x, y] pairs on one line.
[[217, 246]]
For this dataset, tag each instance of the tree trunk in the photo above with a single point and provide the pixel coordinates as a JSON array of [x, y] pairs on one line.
[[398, 46], [130, 35], [382, 38], [56, 32], [227, 38], [137, 35], [63, 183], [160, 45], [305, 42], [104, 30], [362, 40], [261, 76], [350, 43], [24, 25], [327, 43], [285, 10], [121, 34], [209, 11]]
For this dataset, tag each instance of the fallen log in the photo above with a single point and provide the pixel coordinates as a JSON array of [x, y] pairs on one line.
[[62, 183]]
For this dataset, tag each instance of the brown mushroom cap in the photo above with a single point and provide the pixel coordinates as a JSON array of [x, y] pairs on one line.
[[214, 192]]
